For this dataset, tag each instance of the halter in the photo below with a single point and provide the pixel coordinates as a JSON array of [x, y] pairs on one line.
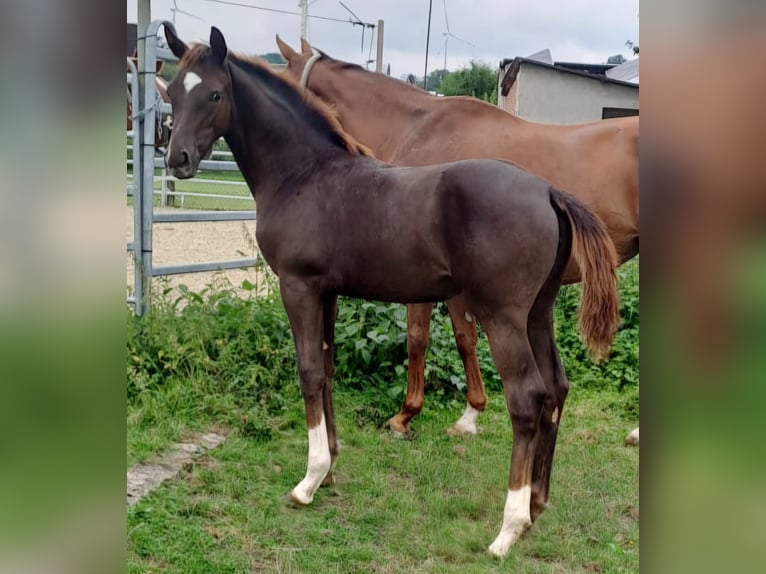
[[307, 68]]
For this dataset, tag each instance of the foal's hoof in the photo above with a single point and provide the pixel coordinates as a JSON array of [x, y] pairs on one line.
[[328, 480], [536, 509], [291, 499]]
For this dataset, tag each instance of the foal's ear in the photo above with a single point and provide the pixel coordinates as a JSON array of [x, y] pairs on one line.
[[287, 52], [174, 43], [218, 46]]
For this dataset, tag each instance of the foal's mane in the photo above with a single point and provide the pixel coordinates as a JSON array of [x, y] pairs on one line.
[[319, 114]]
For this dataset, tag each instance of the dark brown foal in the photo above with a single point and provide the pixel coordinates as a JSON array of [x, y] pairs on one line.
[[334, 221]]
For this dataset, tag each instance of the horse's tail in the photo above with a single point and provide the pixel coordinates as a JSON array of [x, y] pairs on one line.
[[595, 255]]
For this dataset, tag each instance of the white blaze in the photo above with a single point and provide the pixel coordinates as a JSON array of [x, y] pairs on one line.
[[190, 80], [467, 423], [319, 463], [468, 317], [516, 520]]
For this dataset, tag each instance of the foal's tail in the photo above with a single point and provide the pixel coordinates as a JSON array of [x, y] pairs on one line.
[[595, 255]]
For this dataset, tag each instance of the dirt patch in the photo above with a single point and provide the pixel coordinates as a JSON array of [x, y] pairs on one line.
[[145, 477], [198, 242]]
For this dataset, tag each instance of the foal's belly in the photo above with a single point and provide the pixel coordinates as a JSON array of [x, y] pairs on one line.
[[399, 286]]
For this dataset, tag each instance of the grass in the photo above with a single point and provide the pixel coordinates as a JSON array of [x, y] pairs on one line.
[[209, 203], [216, 362], [432, 504]]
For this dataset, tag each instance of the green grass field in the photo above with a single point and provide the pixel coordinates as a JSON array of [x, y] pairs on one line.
[[432, 504]]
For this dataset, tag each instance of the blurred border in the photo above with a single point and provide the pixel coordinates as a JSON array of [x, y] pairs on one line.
[[62, 242], [703, 282]]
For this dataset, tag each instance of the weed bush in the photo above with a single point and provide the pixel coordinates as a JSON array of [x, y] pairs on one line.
[[242, 346]]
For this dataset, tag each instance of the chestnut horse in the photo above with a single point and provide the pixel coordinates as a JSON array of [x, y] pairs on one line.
[[596, 162], [332, 220]]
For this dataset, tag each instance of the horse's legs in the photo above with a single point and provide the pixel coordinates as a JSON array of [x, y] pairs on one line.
[[418, 325], [329, 311], [464, 327], [541, 337], [304, 310], [525, 395]]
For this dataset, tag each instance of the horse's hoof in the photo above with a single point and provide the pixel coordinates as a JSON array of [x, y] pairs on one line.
[[328, 480], [291, 499], [632, 438], [395, 426], [461, 430]]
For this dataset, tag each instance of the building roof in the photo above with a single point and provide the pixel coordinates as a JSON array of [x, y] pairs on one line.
[[595, 69], [562, 67], [627, 72]]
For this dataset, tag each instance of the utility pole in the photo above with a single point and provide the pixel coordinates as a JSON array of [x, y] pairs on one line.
[[304, 6], [379, 56], [428, 37]]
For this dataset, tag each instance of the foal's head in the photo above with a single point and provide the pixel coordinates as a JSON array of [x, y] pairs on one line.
[[200, 94]]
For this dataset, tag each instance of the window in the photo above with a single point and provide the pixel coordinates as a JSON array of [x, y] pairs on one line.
[[607, 113]]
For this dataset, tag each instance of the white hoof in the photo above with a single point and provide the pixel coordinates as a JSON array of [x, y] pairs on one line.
[[466, 424], [459, 429], [505, 540], [300, 497], [632, 438], [516, 520]]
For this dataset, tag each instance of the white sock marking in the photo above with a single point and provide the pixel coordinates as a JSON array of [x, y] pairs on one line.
[[516, 520], [190, 80], [632, 438], [467, 423], [318, 466]]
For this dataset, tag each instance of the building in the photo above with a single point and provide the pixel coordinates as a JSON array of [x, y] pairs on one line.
[[540, 90]]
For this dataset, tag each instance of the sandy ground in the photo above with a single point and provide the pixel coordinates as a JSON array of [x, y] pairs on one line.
[[198, 242]]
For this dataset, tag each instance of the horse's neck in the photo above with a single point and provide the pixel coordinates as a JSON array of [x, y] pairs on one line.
[[364, 100], [269, 145]]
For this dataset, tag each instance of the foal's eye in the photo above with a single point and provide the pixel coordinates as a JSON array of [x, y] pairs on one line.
[[215, 97]]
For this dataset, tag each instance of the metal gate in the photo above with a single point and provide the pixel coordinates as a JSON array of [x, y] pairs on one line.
[[146, 105]]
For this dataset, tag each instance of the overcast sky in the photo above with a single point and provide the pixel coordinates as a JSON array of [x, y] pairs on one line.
[[574, 30]]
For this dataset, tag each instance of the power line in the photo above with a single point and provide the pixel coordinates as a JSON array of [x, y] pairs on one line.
[[428, 38], [241, 5]]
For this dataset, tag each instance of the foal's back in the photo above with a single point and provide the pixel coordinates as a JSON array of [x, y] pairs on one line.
[[411, 234]]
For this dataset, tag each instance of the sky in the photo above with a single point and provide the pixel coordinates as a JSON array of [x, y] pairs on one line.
[[487, 30]]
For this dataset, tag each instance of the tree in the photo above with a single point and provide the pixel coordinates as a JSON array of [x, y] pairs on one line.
[[479, 81], [632, 46], [274, 58], [435, 79]]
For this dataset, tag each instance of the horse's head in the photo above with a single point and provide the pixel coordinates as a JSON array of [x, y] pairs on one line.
[[201, 96], [300, 65]]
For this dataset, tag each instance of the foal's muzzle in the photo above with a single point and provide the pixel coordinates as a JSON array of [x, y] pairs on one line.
[[181, 163]]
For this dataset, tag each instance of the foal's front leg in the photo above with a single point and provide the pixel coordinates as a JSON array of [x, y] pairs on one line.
[[305, 312]]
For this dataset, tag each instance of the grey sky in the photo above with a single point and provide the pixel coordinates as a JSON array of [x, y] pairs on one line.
[[574, 30]]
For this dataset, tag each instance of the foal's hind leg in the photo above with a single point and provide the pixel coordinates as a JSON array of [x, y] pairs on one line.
[[464, 327], [418, 325], [525, 395], [304, 310], [541, 336], [329, 311]]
